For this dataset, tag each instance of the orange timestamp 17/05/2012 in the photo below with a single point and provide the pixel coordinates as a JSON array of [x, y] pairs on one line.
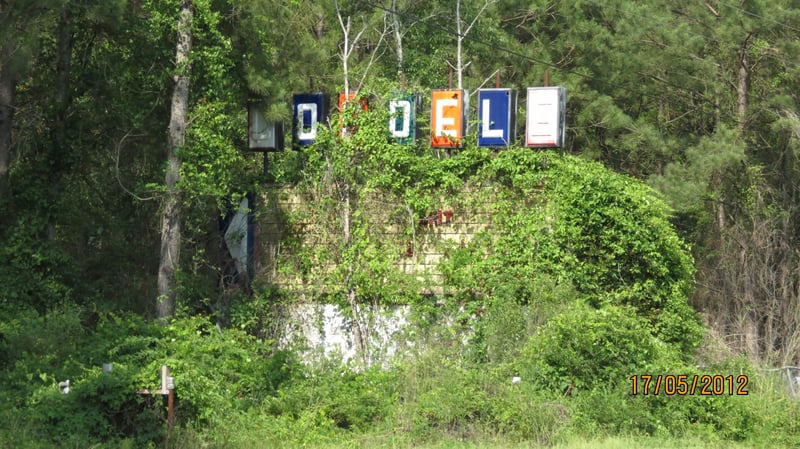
[[689, 385]]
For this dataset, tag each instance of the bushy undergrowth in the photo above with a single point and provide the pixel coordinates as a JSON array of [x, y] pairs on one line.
[[236, 392], [579, 286], [216, 373]]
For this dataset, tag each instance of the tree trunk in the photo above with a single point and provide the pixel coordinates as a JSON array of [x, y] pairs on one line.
[[171, 213], [61, 101], [742, 85], [398, 38], [459, 40], [352, 297], [7, 87]]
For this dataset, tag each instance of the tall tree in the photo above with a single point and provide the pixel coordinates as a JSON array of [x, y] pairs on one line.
[[171, 213], [462, 30], [7, 87], [20, 23]]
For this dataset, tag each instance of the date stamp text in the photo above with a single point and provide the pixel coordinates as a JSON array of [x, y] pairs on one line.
[[683, 385]]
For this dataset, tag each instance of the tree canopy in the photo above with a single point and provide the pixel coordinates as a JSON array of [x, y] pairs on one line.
[[696, 100]]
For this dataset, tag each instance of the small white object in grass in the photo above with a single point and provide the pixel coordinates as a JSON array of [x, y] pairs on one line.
[[64, 385], [516, 380]]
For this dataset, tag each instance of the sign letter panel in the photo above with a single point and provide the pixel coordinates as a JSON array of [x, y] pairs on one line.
[[497, 114], [546, 108], [350, 128], [308, 111], [402, 118], [263, 134], [448, 118]]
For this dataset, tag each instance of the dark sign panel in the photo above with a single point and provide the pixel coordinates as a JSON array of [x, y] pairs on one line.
[[402, 118]]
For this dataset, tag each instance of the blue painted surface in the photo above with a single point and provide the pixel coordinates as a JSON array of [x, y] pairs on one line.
[[497, 117]]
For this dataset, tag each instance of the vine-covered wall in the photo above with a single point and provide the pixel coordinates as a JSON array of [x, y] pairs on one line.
[[537, 229]]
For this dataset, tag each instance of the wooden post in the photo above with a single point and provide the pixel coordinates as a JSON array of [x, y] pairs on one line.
[[168, 390], [497, 79]]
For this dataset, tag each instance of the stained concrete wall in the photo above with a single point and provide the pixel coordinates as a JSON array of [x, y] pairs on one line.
[[417, 245]]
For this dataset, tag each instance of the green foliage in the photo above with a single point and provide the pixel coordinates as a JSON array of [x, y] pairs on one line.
[[579, 262], [38, 349], [100, 407], [443, 395], [350, 170], [44, 350], [217, 372], [606, 235], [343, 399], [35, 272], [689, 183], [585, 348], [614, 410]]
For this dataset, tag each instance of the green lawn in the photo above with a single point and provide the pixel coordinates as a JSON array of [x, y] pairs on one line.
[[390, 442]]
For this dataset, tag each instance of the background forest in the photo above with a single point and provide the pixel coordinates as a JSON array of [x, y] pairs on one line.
[[122, 129]]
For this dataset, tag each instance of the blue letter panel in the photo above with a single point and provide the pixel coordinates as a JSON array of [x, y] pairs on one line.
[[497, 117]]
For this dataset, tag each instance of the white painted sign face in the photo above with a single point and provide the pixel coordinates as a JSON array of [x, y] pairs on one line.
[[486, 122], [308, 111], [445, 125], [237, 237], [545, 120], [264, 135], [402, 117], [308, 129], [400, 121]]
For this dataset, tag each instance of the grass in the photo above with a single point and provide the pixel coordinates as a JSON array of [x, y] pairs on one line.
[[609, 443], [392, 442]]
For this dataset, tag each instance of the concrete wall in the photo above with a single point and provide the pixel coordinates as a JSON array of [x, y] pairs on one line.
[[415, 245], [284, 222]]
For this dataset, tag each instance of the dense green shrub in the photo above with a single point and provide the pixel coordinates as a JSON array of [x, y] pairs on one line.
[[62, 344], [100, 407], [584, 348], [38, 350], [606, 235], [216, 371], [348, 400], [34, 273]]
